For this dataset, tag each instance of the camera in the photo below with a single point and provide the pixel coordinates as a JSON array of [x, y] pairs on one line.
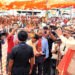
[[58, 41], [53, 27]]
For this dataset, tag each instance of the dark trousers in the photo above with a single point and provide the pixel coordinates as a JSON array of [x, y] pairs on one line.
[[0, 54], [19, 74], [53, 66], [47, 67], [8, 57], [20, 71], [38, 64], [1, 59]]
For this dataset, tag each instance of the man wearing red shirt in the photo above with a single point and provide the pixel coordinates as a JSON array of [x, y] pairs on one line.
[[10, 42]]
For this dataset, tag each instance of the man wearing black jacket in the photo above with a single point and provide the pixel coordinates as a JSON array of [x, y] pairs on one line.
[[50, 37]]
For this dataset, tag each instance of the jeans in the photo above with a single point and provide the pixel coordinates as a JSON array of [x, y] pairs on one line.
[[38, 64]]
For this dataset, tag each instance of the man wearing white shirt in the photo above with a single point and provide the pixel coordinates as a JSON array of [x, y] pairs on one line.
[[63, 45], [70, 44]]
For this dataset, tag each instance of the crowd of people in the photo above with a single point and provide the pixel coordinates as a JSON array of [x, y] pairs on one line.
[[36, 45]]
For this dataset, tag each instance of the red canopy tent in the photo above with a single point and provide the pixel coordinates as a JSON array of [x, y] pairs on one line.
[[19, 4], [1, 4], [27, 5], [39, 5], [61, 4]]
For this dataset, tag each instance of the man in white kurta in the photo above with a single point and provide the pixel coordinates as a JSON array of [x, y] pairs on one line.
[[70, 44]]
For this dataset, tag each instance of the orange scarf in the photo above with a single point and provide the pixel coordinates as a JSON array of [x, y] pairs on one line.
[[64, 63], [39, 47]]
